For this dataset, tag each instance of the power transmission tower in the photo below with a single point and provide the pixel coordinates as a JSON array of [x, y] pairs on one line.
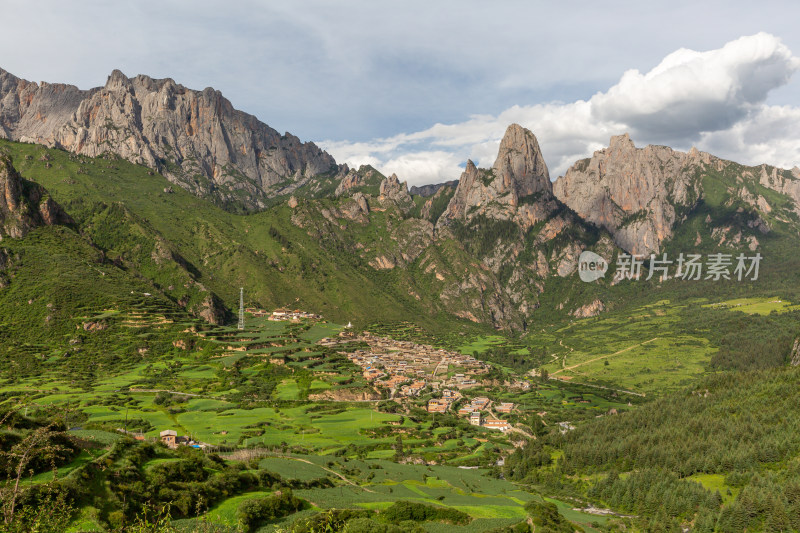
[[241, 307]]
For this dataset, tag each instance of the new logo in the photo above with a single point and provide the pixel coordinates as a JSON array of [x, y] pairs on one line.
[[591, 266]]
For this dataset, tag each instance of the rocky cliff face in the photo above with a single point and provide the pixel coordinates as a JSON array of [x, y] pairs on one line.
[[519, 173], [512, 236], [784, 181], [642, 195], [633, 192], [392, 190], [364, 179], [25, 205], [195, 138]]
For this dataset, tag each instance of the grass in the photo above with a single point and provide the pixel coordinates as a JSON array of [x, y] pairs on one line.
[[582, 519], [639, 351], [225, 512], [716, 482], [760, 306]]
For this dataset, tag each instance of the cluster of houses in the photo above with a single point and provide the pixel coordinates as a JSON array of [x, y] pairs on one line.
[[441, 405], [407, 367], [474, 410], [282, 314]]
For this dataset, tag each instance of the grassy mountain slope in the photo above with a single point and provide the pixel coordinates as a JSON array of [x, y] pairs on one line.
[[187, 245]]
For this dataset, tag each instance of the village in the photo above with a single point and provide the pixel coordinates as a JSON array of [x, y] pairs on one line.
[[282, 314], [406, 368]]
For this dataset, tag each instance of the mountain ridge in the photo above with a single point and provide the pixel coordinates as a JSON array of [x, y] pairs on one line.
[[196, 139]]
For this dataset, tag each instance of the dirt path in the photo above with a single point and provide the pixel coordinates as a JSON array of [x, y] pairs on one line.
[[435, 370], [335, 473], [564, 359], [525, 433], [603, 356], [253, 453]]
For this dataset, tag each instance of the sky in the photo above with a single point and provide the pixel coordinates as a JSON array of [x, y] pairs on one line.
[[418, 87]]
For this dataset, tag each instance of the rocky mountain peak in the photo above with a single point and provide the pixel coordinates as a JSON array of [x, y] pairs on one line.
[[520, 163], [641, 195], [391, 189], [621, 143], [117, 80], [632, 192], [196, 139], [24, 205], [519, 171]]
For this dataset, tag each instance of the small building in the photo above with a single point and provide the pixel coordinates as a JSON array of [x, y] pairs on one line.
[[480, 403], [475, 418], [505, 407], [169, 437], [372, 373], [502, 425], [438, 406]]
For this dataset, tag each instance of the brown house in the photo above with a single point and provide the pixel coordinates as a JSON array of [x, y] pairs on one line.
[[169, 437]]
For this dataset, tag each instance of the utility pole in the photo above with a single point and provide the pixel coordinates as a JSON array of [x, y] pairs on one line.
[[241, 307]]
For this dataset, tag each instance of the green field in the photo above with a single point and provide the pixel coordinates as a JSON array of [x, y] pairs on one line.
[[761, 306]]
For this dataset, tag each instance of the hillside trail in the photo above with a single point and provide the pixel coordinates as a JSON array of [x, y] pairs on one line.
[[335, 473], [438, 365], [564, 359], [605, 356], [253, 453]]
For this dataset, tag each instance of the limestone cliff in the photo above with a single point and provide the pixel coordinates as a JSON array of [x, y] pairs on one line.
[[393, 191], [195, 138], [25, 205], [641, 195], [519, 174]]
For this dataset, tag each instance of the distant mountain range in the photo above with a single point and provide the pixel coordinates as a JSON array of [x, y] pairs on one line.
[[494, 247], [196, 139]]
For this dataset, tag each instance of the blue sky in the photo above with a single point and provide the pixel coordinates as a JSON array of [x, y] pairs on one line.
[[416, 88]]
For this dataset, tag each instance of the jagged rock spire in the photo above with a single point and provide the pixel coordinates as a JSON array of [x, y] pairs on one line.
[[518, 171]]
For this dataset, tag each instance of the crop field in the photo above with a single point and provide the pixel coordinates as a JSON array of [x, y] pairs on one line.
[[641, 351], [378, 484], [761, 306], [251, 388]]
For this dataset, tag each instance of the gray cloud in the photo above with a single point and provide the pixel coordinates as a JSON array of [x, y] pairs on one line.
[[362, 69], [714, 99], [363, 73]]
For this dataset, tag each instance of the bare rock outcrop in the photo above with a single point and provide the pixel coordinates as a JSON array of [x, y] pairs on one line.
[[393, 191], [25, 205], [351, 180], [591, 309], [519, 172], [784, 181], [641, 195], [194, 138], [632, 192]]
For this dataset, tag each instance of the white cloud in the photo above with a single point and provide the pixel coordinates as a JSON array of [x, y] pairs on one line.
[[771, 135], [436, 166], [714, 99], [691, 92]]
